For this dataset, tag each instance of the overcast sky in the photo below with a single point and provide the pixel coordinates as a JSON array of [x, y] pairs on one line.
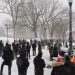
[[3, 17], [66, 3]]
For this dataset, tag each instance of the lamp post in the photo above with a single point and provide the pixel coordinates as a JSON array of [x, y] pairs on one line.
[[70, 26], [7, 26]]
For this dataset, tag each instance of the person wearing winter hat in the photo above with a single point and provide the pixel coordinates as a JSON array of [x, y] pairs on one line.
[[59, 59]]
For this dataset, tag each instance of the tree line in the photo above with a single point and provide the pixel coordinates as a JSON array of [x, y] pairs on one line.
[[46, 17]]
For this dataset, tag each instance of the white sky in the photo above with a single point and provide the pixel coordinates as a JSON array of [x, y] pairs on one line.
[[66, 3], [4, 17]]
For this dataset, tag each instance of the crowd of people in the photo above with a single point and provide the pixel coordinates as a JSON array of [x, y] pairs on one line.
[[9, 52], [20, 50]]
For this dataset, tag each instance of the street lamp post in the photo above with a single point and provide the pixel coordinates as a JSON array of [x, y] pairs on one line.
[[70, 26], [7, 26], [45, 33]]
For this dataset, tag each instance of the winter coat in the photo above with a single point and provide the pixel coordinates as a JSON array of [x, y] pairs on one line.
[[39, 47], [34, 46], [58, 70], [51, 51], [55, 51], [67, 68], [39, 65], [28, 47], [8, 55], [22, 64]]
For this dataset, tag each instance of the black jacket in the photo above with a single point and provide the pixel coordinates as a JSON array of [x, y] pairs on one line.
[[39, 65], [8, 55], [22, 64]]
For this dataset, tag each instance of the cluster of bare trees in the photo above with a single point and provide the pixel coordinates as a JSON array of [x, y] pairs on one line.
[[48, 17]]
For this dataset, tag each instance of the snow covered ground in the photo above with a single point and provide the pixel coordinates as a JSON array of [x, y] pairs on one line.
[[30, 71], [64, 49]]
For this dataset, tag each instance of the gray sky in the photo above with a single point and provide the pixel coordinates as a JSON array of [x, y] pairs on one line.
[[3, 17], [66, 3]]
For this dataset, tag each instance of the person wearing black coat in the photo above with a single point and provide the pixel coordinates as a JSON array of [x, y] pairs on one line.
[[59, 70], [39, 47], [39, 64], [51, 51], [22, 64], [28, 47], [55, 50], [49, 45], [34, 48], [67, 66], [8, 57], [65, 69], [15, 48], [24, 50], [1, 47]]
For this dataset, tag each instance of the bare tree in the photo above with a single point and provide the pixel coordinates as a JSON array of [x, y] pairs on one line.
[[35, 15], [44, 15], [52, 10], [11, 7], [62, 28], [30, 15]]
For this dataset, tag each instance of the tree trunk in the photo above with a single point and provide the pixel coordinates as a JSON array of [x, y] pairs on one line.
[[35, 33], [51, 36]]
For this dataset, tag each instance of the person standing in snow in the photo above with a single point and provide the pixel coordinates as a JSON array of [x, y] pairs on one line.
[[39, 47], [55, 50], [28, 47], [8, 57], [22, 64], [34, 48], [39, 64]]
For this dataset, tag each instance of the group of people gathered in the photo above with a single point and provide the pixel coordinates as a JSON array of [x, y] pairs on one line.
[[66, 68], [20, 50], [53, 49], [64, 63]]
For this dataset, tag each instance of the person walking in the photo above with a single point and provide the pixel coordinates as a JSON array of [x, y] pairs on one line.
[[28, 47], [34, 48], [55, 50], [39, 64], [22, 64], [39, 47], [68, 66], [51, 51], [15, 46], [1, 47], [8, 57]]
